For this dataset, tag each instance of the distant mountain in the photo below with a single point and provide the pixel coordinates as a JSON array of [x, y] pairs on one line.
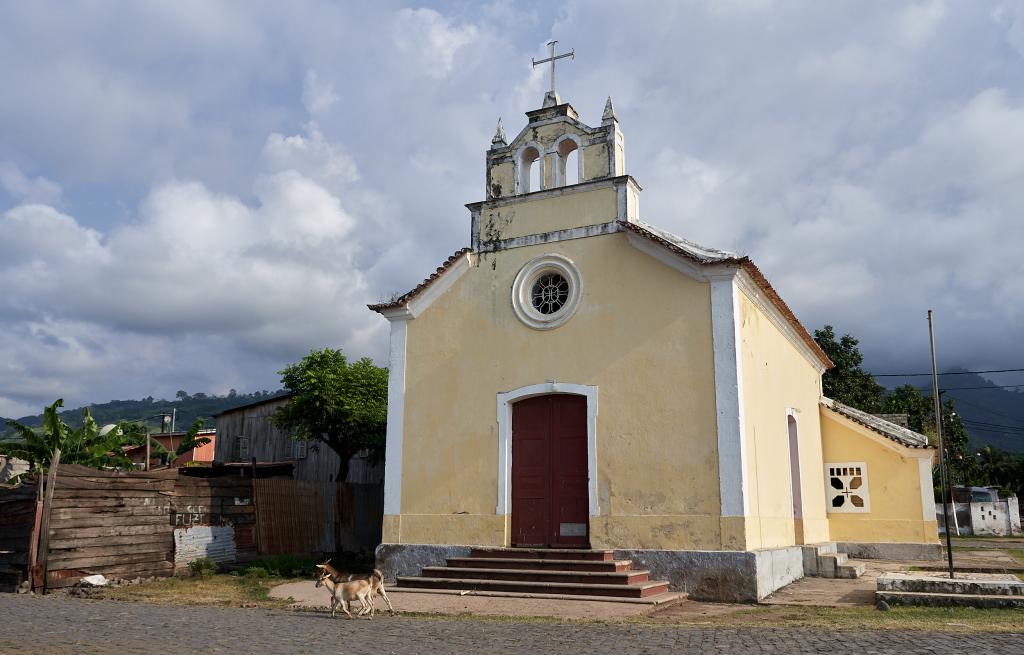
[[147, 410], [993, 416]]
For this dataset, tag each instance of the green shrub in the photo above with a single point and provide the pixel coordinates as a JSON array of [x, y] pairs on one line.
[[204, 567]]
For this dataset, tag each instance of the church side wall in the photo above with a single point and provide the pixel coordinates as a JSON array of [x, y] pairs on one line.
[[641, 335], [899, 486], [778, 381]]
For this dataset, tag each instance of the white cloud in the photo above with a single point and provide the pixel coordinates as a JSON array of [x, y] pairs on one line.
[[273, 278], [317, 96], [26, 189], [430, 40]]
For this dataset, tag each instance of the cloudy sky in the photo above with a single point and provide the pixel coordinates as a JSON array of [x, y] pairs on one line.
[[193, 194]]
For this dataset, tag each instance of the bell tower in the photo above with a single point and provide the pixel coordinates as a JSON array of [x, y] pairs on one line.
[[554, 156]]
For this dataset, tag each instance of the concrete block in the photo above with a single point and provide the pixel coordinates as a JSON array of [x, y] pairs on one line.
[[969, 584], [727, 576], [811, 552], [897, 551], [409, 559]]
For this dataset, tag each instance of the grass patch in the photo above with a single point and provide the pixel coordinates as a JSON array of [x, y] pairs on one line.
[[1015, 553], [215, 591]]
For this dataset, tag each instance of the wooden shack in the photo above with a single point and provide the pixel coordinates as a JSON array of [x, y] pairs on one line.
[[246, 432]]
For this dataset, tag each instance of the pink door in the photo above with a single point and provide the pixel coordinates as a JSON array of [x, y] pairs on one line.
[[549, 472]]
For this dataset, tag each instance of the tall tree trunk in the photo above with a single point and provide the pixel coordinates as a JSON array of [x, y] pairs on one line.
[[344, 455]]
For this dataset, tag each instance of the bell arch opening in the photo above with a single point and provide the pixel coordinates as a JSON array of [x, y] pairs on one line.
[[530, 170], [570, 163]]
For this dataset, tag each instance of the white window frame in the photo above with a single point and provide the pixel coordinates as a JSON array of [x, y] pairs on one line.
[[299, 449], [863, 491], [243, 448]]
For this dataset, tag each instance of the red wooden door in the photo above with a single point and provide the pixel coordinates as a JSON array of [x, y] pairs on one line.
[[549, 472]]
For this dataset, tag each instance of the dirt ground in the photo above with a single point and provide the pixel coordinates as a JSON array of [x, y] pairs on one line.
[[306, 595]]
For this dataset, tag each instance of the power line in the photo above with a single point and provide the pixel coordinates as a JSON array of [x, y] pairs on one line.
[[913, 375], [982, 424], [988, 409], [994, 431], [991, 386]]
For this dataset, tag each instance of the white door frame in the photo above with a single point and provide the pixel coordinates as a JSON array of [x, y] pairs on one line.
[[505, 401]]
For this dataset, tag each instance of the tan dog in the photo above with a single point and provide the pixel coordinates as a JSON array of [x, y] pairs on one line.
[[376, 580], [344, 593]]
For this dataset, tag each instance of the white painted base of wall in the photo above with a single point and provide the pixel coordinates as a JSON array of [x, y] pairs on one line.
[[716, 575]]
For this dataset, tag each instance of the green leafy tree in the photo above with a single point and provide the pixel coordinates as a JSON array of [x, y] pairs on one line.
[[87, 445], [847, 382], [341, 404]]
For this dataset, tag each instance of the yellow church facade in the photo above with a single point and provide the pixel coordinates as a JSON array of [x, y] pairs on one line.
[[577, 378]]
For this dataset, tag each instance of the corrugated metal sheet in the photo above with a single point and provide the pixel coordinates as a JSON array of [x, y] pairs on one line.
[[215, 542], [299, 517], [295, 516]]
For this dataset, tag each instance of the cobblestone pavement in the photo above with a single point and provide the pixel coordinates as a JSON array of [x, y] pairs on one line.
[[60, 625]]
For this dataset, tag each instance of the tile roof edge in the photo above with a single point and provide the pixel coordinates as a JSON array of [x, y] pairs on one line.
[[886, 428], [422, 286]]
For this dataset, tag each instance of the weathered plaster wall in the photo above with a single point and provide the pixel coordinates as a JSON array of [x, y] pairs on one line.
[[894, 485], [574, 208], [642, 335], [777, 378]]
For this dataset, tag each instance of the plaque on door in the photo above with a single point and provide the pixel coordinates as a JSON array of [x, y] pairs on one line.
[[572, 529]]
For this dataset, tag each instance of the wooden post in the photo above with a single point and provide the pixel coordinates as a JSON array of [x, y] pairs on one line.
[[44, 529], [33, 546], [256, 537]]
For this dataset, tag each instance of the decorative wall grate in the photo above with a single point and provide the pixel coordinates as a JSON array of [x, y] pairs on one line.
[[847, 488]]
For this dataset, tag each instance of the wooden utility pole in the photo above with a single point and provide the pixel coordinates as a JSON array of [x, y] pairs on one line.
[[942, 451]]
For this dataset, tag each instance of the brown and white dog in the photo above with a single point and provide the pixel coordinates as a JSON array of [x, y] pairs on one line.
[[345, 592]]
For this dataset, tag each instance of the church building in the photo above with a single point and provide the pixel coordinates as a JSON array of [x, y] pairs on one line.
[[578, 385]]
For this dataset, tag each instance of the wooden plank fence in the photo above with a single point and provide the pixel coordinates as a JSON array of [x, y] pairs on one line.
[[143, 524], [17, 516]]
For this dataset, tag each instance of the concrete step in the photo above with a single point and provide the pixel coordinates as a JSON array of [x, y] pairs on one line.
[[922, 599], [642, 590], [958, 586], [830, 563], [851, 571], [616, 565], [531, 575], [544, 553]]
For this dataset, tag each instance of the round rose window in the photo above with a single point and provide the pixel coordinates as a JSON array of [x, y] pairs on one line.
[[547, 291]]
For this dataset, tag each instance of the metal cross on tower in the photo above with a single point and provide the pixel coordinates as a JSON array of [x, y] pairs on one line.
[[551, 97]]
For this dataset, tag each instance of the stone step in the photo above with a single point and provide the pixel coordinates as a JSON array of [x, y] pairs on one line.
[[544, 553], [530, 575], [641, 590], [851, 571], [923, 599], [616, 565], [829, 564]]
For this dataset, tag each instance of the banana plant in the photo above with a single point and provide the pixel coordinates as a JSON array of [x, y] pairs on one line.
[[86, 445]]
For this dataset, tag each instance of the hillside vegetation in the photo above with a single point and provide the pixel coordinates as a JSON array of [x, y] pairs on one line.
[[147, 410]]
